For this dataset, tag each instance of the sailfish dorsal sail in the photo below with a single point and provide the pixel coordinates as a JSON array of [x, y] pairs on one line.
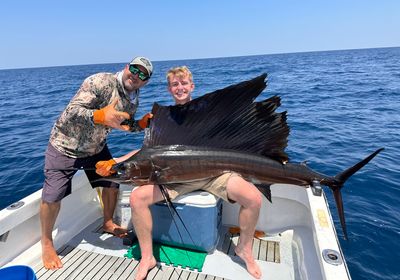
[[228, 118]]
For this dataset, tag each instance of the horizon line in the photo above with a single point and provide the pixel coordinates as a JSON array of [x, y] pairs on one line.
[[200, 58]]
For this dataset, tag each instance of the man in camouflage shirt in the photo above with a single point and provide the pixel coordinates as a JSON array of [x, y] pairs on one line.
[[78, 140]]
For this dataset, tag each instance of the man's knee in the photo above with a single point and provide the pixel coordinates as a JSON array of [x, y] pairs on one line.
[[135, 198], [50, 205], [244, 192], [252, 197], [141, 196]]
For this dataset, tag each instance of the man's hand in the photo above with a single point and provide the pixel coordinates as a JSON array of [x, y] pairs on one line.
[[145, 121], [109, 116], [103, 168]]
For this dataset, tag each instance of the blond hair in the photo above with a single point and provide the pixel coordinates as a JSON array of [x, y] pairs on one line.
[[180, 72]]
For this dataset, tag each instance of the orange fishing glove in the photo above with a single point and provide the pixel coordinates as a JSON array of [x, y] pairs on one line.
[[103, 168], [109, 116], [145, 121]]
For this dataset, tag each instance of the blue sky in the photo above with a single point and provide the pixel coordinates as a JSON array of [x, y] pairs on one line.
[[51, 33]]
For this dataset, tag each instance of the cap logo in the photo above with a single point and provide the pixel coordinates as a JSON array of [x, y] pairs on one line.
[[145, 61]]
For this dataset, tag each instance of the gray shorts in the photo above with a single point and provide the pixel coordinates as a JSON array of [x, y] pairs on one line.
[[215, 185], [57, 183]]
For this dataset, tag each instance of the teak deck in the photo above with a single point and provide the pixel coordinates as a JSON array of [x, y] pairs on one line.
[[81, 264]]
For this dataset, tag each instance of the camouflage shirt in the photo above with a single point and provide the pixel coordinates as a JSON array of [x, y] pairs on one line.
[[74, 133]]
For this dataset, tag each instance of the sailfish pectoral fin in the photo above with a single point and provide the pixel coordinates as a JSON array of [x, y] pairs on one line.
[[265, 190]]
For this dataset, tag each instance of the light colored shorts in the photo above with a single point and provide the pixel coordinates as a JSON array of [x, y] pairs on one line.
[[215, 185]]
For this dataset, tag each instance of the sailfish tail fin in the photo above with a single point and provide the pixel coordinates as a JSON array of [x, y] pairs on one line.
[[337, 182]]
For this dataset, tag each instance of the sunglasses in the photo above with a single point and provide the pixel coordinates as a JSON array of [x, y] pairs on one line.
[[134, 70]]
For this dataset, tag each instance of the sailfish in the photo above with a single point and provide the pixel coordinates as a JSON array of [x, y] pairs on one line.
[[225, 131]]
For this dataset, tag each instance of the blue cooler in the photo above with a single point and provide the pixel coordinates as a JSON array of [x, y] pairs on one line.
[[200, 211], [17, 272]]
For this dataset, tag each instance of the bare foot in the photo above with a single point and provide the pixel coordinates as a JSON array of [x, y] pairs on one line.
[[144, 267], [50, 258], [251, 264], [115, 230]]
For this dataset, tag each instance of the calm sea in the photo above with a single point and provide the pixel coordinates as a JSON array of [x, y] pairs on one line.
[[342, 105]]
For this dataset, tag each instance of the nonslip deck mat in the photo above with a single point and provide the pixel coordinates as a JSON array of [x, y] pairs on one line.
[[170, 255]]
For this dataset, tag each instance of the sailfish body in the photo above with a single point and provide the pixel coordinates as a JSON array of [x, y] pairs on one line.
[[224, 131], [180, 163]]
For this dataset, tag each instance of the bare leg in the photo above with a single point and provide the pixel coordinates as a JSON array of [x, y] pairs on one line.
[[48, 216], [140, 200], [109, 197], [249, 198]]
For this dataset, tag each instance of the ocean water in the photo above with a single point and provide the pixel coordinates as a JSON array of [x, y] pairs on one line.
[[342, 105]]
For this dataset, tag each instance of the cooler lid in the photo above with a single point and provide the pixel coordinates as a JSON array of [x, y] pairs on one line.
[[198, 198]]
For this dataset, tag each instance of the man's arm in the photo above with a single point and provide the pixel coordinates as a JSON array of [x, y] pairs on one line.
[[125, 157], [104, 167], [95, 104]]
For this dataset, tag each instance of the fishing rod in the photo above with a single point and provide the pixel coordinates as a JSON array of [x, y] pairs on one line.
[[171, 208]]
